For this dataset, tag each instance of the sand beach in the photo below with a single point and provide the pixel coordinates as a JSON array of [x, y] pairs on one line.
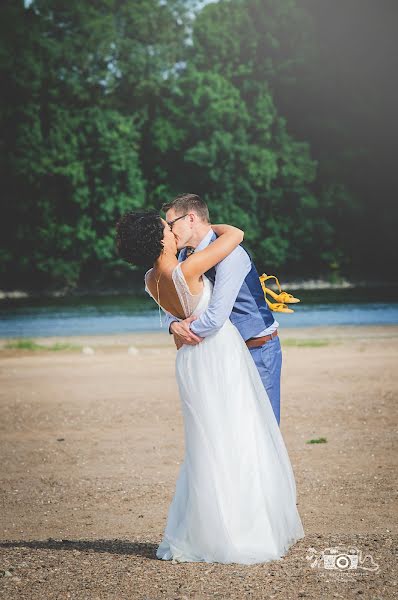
[[91, 439]]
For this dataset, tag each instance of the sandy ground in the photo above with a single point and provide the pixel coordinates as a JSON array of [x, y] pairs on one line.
[[91, 446]]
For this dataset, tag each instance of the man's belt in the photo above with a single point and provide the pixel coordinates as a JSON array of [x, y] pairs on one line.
[[259, 341]]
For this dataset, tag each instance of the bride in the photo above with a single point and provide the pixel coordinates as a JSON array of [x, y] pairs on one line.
[[235, 495]]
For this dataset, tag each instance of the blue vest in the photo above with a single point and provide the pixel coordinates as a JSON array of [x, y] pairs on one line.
[[250, 313]]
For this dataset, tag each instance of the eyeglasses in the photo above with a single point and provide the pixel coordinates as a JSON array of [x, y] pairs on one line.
[[171, 223]]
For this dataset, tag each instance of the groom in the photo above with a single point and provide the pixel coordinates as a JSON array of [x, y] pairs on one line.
[[237, 295]]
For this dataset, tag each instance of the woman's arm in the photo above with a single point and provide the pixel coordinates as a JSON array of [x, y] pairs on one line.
[[199, 262]]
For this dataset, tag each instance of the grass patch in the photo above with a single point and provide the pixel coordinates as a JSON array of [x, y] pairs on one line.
[[320, 440], [32, 345], [308, 343]]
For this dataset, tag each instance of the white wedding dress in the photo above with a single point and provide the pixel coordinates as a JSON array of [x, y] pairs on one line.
[[235, 495]]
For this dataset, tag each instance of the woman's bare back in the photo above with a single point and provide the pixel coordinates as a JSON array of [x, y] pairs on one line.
[[169, 298]]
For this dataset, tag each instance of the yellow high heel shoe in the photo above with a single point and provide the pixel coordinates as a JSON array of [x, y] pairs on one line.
[[284, 297]]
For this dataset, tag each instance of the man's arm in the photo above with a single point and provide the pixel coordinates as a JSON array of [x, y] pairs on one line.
[[169, 319], [230, 275]]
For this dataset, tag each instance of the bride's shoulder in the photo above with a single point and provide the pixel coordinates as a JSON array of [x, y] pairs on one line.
[[177, 272], [181, 271], [177, 268], [185, 281], [146, 276]]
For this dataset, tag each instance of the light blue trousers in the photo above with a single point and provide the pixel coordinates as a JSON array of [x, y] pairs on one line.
[[268, 359]]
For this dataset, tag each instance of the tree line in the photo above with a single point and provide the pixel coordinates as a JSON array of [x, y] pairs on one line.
[[117, 105]]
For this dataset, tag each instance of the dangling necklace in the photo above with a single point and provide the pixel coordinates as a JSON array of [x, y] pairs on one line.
[[157, 288]]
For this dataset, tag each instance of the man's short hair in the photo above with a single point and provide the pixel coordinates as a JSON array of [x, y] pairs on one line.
[[185, 203]]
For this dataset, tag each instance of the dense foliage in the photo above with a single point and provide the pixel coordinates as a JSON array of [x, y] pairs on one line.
[[115, 105]]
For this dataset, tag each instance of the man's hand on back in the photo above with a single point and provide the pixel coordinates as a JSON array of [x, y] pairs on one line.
[[182, 334]]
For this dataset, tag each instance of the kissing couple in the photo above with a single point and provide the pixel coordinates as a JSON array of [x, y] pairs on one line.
[[235, 494]]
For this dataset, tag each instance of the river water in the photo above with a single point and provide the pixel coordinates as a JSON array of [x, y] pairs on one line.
[[87, 315]]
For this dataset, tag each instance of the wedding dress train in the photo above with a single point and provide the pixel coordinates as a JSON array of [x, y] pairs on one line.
[[235, 494]]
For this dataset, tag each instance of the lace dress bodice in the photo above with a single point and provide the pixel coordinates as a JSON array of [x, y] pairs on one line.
[[192, 304]]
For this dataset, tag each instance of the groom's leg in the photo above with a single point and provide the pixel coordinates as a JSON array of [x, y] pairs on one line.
[[268, 359]]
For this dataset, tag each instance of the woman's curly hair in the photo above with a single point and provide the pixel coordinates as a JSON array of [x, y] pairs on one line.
[[138, 237]]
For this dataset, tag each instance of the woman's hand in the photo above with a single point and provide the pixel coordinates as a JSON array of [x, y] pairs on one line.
[[183, 334], [224, 228]]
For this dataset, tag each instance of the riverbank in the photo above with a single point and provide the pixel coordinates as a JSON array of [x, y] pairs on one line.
[[91, 444], [161, 340], [289, 284]]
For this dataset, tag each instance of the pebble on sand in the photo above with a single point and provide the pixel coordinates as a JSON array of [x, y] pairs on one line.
[[88, 350]]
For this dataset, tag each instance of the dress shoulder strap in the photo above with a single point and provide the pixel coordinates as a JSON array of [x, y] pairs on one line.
[[188, 300], [147, 288]]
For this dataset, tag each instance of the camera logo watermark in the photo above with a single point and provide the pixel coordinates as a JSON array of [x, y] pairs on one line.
[[340, 559]]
